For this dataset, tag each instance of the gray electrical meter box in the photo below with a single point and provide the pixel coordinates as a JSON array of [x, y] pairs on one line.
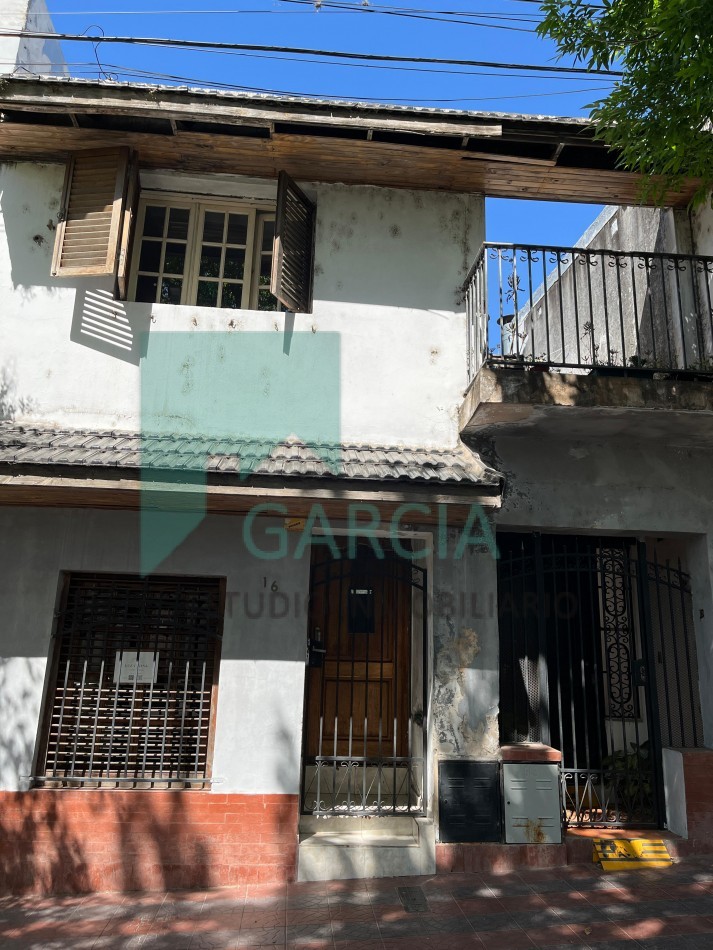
[[532, 803]]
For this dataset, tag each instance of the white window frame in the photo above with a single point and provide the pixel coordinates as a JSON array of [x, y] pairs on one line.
[[257, 211]]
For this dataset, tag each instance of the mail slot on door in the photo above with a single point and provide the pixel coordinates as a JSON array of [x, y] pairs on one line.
[[533, 814]]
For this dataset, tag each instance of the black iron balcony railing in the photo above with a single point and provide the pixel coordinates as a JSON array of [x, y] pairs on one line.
[[585, 309]]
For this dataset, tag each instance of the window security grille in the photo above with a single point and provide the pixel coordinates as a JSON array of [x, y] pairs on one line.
[[133, 682]]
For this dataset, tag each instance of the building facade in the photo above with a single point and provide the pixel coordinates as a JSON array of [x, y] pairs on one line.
[[316, 564]]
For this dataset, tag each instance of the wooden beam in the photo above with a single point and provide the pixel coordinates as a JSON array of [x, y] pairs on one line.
[[132, 494], [328, 159], [165, 106]]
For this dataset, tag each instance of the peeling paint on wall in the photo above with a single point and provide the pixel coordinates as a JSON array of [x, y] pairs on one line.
[[456, 653]]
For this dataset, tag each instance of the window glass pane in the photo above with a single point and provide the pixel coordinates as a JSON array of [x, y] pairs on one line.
[[234, 263], [150, 258], [175, 259], [265, 300], [210, 261], [178, 223], [207, 294], [153, 222], [268, 235], [146, 289], [232, 296], [213, 224], [237, 229], [265, 268], [171, 290]]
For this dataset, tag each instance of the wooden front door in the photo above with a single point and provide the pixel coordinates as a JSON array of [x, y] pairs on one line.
[[358, 700]]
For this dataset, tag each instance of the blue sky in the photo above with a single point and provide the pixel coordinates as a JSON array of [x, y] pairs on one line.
[[504, 33]]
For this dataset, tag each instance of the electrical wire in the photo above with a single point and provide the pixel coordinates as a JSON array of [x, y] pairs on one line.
[[393, 68], [473, 19], [206, 45], [416, 69], [283, 92], [217, 84], [315, 5]]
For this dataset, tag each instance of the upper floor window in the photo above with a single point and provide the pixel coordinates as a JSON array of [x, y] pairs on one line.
[[203, 252], [195, 250]]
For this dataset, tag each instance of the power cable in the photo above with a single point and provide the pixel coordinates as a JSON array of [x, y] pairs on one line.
[[315, 7], [416, 69], [217, 84], [337, 54], [475, 19]]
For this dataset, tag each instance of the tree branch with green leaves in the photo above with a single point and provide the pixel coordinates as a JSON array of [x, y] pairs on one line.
[[658, 115]]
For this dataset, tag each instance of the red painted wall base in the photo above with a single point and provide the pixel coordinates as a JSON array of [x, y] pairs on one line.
[[76, 841], [498, 858], [698, 778]]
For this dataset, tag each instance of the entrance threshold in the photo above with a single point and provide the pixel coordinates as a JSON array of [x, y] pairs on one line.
[[343, 848]]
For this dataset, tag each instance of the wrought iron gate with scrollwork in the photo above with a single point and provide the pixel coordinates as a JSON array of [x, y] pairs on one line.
[[598, 660]]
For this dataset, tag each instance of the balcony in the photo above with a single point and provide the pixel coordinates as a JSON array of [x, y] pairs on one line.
[[614, 337]]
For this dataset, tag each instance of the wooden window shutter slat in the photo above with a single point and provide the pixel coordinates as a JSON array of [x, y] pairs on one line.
[[127, 230], [89, 234], [293, 254]]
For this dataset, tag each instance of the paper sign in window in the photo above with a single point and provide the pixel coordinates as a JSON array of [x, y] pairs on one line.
[[131, 667]]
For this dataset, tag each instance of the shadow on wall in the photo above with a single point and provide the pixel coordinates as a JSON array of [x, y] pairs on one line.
[[30, 219], [18, 705], [11, 403], [29, 202], [110, 326], [79, 840]]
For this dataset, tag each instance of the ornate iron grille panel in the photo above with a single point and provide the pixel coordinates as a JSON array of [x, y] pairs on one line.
[[133, 680], [365, 695], [621, 697], [610, 635]]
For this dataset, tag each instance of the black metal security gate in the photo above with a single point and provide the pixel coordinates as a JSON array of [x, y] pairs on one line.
[[598, 659], [365, 691]]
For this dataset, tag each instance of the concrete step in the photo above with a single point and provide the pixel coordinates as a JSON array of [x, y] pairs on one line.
[[342, 848]]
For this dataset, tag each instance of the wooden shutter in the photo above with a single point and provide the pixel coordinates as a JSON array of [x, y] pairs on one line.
[[127, 229], [293, 253], [92, 213]]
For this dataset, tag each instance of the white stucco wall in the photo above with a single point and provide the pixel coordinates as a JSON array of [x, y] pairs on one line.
[[389, 265], [702, 222], [23, 55], [674, 781], [261, 684]]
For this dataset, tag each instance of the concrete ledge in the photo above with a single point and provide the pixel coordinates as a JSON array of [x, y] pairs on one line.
[[528, 396], [530, 752]]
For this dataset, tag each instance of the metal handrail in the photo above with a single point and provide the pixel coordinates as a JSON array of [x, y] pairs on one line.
[[560, 306]]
